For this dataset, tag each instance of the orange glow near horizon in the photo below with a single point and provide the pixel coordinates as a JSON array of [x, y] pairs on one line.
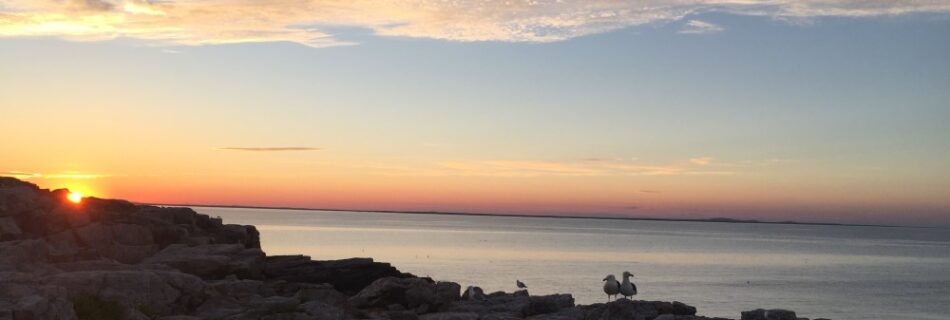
[[75, 197]]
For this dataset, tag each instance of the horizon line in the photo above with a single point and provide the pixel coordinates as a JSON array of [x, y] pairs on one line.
[[546, 215]]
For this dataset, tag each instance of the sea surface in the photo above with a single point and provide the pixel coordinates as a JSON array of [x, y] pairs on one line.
[[837, 272]]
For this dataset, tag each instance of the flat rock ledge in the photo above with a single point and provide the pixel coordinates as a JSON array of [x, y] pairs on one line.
[[111, 259]]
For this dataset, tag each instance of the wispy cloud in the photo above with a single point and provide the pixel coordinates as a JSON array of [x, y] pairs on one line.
[[267, 149], [20, 174], [235, 21], [700, 27], [60, 175]]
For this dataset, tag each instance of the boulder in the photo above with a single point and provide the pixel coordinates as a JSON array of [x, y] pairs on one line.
[[623, 309], [563, 314], [473, 293], [212, 261], [348, 276], [770, 314], [547, 304], [241, 290], [9, 229], [23, 253], [162, 291], [411, 293], [683, 309], [24, 296], [132, 235]]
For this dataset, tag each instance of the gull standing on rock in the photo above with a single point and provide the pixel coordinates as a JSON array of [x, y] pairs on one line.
[[627, 288], [611, 286]]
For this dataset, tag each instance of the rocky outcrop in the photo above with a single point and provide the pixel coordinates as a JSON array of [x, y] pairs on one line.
[[111, 259]]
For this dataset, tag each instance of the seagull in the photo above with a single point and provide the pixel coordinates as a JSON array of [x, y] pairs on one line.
[[627, 288], [611, 286], [520, 284]]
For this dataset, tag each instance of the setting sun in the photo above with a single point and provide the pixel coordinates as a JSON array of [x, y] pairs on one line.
[[75, 197]]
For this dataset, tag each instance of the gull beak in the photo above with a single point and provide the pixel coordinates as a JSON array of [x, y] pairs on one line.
[[605, 279]]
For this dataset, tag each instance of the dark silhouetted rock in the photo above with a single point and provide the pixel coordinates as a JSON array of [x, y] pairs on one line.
[[348, 276], [771, 314], [411, 293], [212, 261]]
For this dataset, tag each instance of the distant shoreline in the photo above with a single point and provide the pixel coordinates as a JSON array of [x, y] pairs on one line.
[[483, 214]]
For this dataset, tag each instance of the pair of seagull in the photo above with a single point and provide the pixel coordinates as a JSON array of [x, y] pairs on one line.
[[612, 287]]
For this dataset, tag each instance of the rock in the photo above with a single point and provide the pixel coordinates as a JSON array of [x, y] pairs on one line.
[[667, 316], [547, 304], [563, 314], [450, 316], [23, 253], [132, 235], [780, 314], [771, 314], [321, 311], [323, 293], [9, 229], [411, 293], [212, 261], [623, 309], [473, 293], [24, 296], [683, 309], [40, 307], [162, 291], [348, 276], [219, 307], [94, 235], [241, 290], [402, 315], [757, 314]]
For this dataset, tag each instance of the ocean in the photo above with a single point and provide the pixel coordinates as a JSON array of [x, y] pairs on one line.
[[837, 272]]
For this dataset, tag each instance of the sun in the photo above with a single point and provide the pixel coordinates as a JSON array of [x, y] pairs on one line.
[[75, 197]]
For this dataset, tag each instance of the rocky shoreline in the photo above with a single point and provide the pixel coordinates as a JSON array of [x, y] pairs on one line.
[[111, 259]]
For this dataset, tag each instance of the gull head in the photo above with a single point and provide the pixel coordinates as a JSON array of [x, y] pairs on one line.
[[627, 274], [610, 277]]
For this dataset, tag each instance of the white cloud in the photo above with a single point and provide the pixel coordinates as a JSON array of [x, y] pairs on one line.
[[233, 21], [700, 27]]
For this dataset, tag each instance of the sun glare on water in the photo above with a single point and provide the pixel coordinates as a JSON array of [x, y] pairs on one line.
[[75, 197]]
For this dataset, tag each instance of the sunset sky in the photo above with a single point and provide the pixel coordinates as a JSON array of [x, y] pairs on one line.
[[808, 110]]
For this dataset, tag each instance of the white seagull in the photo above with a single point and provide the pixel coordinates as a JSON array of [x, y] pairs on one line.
[[611, 286], [627, 288]]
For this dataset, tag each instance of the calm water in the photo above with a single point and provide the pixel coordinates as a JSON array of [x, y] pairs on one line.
[[721, 268]]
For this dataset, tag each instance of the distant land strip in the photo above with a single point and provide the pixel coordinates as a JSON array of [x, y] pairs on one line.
[[522, 215]]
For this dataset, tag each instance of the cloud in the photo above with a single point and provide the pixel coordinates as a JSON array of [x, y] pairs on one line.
[[700, 27], [237, 21], [650, 191], [701, 161], [60, 175], [267, 149], [631, 207], [20, 174]]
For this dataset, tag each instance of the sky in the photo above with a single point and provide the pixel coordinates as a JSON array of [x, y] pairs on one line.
[[807, 110]]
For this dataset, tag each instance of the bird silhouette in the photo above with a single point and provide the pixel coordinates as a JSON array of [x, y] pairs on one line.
[[611, 286], [627, 287]]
